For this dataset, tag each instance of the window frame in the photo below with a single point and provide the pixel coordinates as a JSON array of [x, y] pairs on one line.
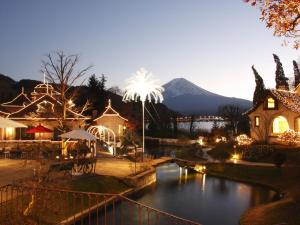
[[266, 103], [278, 133], [256, 121]]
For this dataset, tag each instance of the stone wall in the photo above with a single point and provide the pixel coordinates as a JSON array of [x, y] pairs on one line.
[[142, 179]]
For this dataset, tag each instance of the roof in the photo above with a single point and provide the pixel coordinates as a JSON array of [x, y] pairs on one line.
[[110, 112], [20, 100], [290, 99], [79, 134], [6, 123], [52, 102]]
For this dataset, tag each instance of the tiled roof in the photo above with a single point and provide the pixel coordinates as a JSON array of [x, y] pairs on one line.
[[289, 99]]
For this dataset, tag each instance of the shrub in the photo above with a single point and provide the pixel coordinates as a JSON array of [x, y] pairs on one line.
[[192, 152], [289, 137], [243, 139], [222, 155], [279, 158], [255, 152]]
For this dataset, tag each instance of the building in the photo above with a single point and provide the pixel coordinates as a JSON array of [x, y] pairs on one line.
[[276, 113], [112, 120], [42, 107]]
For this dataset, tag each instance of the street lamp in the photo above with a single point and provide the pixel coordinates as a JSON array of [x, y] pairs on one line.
[[143, 86]]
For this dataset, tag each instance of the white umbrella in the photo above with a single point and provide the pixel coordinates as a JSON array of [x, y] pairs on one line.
[[7, 123], [79, 134]]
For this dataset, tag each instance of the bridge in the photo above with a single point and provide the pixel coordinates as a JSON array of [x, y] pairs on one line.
[[200, 119]]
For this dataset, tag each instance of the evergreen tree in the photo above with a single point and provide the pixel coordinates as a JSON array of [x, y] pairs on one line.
[[296, 73], [260, 89], [281, 80], [97, 93]]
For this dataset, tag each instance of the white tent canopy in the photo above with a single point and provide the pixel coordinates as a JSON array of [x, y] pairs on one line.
[[7, 123], [79, 134]]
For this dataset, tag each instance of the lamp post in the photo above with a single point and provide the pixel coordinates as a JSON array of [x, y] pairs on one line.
[[143, 86]]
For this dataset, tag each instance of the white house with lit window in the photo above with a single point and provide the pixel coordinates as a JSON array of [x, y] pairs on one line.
[[278, 112]]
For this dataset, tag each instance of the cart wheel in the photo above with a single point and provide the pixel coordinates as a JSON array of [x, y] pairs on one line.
[[88, 168], [75, 168]]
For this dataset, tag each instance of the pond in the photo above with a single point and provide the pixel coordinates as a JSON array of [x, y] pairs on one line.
[[202, 198]]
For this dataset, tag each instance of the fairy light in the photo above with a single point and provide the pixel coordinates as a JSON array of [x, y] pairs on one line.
[[243, 139], [142, 86]]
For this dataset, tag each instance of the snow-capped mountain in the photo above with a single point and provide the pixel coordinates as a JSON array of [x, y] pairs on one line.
[[181, 86], [185, 97]]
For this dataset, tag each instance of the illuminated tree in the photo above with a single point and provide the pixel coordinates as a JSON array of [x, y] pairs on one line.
[[260, 90], [283, 16], [296, 73], [142, 86], [281, 80]]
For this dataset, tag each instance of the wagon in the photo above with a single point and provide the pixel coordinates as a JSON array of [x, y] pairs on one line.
[[84, 165]]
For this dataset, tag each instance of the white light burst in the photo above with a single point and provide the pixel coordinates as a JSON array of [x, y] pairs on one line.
[[143, 86]]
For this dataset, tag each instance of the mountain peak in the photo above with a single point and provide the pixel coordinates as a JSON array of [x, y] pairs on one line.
[[182, 86], [187, 98]]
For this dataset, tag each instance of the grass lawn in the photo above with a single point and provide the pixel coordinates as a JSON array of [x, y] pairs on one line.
[[285, 211], [96, 183]]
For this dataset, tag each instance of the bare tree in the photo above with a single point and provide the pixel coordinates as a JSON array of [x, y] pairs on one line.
[[60, 69], [192, 121], [115, 90], [233, 114]]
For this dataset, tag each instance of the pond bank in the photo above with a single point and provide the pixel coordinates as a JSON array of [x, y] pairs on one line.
[[283, 180]]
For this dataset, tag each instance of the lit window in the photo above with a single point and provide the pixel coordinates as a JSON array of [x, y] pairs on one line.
[[9, 132], [257, 121], [280, 125], [271, 103], [297, 125]]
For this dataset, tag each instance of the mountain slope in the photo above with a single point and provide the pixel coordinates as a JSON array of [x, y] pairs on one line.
[[185, 97]]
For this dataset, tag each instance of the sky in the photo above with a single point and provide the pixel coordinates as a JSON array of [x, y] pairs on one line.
[[211, 43]]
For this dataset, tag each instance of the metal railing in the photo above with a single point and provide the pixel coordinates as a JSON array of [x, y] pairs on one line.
[[29, 205]]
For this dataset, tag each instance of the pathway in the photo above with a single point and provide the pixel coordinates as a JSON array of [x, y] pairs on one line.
[[13, 169], [113, 166], [121, 167]]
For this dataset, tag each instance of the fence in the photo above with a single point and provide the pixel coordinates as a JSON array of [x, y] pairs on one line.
[[29, 205]]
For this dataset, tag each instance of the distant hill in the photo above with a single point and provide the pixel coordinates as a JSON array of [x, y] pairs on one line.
[[187, 98]]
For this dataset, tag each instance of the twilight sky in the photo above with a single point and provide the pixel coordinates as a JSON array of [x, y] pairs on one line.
[[211, 43]]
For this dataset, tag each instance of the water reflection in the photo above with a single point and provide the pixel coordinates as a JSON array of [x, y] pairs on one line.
[[205, 199]]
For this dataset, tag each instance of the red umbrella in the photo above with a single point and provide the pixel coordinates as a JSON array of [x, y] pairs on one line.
[[38, 129]]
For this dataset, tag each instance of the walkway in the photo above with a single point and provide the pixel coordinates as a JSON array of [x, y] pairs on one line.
[[121, 167], [109, 165], [13, 169]]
